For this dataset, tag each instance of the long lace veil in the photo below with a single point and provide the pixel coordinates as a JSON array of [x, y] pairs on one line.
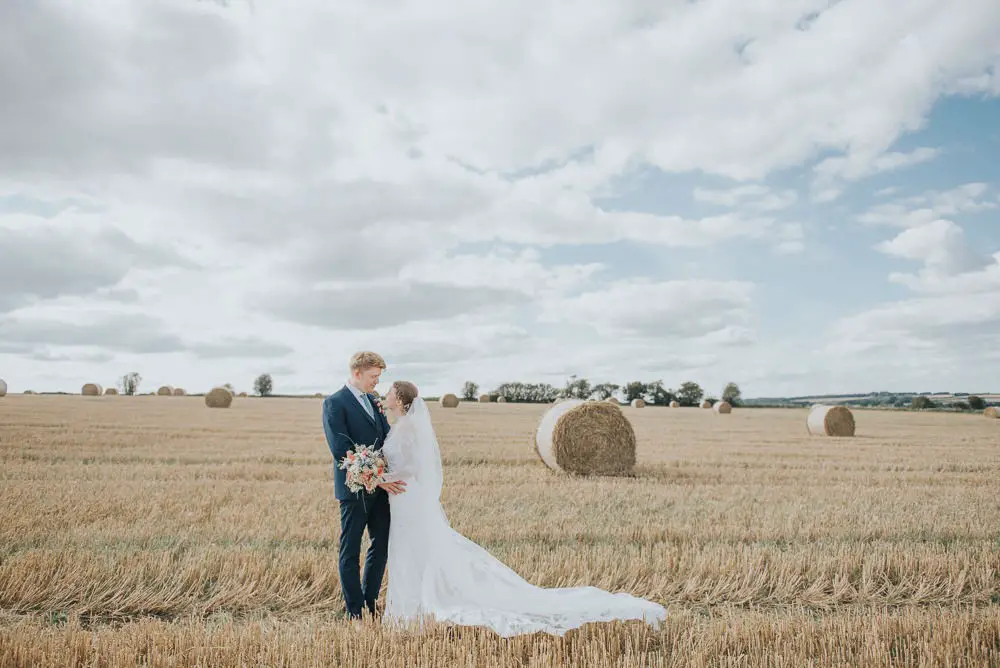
[[426, 453]]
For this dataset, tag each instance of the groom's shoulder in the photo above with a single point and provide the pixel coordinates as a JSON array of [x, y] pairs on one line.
[[335, 397]]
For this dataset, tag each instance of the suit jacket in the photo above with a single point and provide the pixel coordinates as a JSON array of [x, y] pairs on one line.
[[347, 424]]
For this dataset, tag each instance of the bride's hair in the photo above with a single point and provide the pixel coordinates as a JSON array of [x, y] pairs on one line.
[[406, 392]]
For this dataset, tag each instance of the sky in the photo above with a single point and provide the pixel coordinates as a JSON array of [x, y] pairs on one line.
[[799, 196]]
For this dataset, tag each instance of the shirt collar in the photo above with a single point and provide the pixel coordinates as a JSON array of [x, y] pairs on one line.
[[355, 391]]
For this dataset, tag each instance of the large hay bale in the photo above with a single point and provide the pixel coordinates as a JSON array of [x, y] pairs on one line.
[[501, 400], [830, 421], [111, 392], [638, 403], [449, 401], [612, 400], [706, 404], [165, 391], [723, 408], [586, 437], [485, 398], [219, 397], [179, 392], [675, 404], [992, 412], [243, 395], [3, 388], [91, 390]]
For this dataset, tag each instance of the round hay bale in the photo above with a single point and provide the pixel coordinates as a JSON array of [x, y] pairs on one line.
[[180, 392], [111, 392], [3, 388], [219, 397], [449, 401], [485, 398], [91, 390], [723, 408], [638, 403], [587, 438], [612, 400], [165, 391], [501, 400], [992, 412], [244, 395], [830, 421], [706, 404], [675, 404]]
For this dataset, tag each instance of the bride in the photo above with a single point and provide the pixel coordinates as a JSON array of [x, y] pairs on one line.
[[436, 572]]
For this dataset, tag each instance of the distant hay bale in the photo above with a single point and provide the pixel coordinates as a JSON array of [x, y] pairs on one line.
[[992, 412], [179, 392], [449, 401], [219, 397], [3, 388], [638, 403], [91, 390], [723, 408], [165, 391], [244, 394], [612, 400], [111, 392], [675, 404], [830, 421], [706, 404], [587, 438], [501, 400], [485, 399]]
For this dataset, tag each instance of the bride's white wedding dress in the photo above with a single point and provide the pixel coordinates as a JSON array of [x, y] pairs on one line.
[[436, 572]]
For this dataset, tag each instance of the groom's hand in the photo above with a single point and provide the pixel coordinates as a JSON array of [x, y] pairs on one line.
[[394, 487]]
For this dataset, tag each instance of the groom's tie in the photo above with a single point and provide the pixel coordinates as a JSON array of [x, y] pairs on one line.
[[368, 405]]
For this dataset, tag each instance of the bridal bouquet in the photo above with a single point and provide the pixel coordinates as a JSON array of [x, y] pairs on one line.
[[365, 467]]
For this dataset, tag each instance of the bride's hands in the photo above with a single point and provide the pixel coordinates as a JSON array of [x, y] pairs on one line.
[[394, 488]]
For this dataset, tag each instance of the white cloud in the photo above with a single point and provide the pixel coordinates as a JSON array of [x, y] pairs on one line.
[[666, 311], [930, 206], [755, 196], [940, 245], [854, 167]]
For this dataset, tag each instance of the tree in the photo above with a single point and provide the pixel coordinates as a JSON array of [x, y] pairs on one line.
[[576, 388], [920, 403], [263, 386], [977, 403], [634, 390], [690, 394], [526, 393], [604, 391], [470, 391], [657, 394], [731, 394], [129, 383]]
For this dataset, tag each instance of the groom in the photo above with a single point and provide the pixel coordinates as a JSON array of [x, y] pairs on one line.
[[353, 416]]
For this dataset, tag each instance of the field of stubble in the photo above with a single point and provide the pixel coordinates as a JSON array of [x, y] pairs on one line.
[[154, 531]]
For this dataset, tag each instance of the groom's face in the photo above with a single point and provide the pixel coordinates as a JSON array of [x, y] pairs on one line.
[[368, 378]]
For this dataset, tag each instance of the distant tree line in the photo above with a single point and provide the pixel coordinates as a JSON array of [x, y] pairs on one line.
[[689, 393]]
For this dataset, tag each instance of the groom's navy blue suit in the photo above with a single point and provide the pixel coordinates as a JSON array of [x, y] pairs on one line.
[[348, 424]]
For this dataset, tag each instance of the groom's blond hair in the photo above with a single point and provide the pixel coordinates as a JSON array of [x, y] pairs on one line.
[[366, 360]]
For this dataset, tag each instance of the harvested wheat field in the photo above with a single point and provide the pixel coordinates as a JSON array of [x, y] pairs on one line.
[[163, 533]]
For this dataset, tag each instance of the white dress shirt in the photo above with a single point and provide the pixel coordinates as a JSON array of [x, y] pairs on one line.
[[360, 396]]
